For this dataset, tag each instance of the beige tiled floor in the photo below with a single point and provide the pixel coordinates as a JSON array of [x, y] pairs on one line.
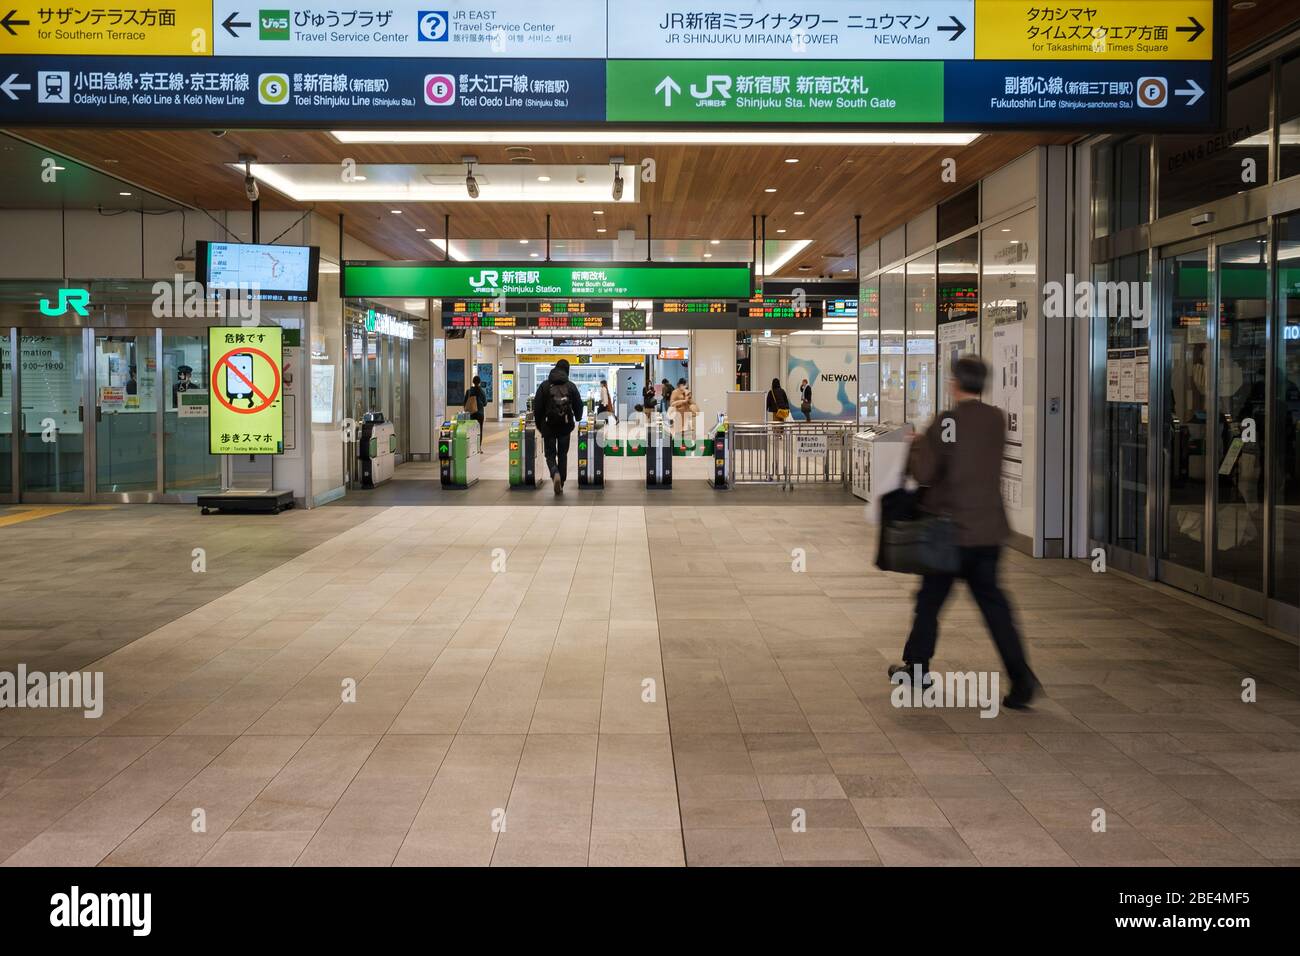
[[640, 686]]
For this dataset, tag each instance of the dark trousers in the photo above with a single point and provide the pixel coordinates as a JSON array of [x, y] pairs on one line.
[[557, 454], [979, 568], [479, 417]]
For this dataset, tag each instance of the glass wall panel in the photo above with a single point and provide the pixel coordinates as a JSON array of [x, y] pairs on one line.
[[1121, 184], [959, 213], [1288, 111], [1242, 413], [921, 380], [1009, 301], [1120, 445], [869, 350], [6, 414], [1286, 471], [958, 331], [1199, 168], [53, 389], [892, 356], [1185, 295], [187, 466]]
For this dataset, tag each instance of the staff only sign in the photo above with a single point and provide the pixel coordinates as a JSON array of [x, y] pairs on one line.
[[244, 369]]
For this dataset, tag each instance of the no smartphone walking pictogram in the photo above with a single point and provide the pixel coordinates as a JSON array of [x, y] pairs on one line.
[[234, 375]]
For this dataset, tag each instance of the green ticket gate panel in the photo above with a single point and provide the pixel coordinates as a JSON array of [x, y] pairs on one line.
[[523, 455], [591, 455], [719, 478], [658, 457], [458, 453]]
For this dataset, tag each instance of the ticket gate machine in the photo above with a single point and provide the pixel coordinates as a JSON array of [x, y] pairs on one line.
[[524, 449], [658, 456], [719, 481], [458, 452], [591, 454], [376, 450]]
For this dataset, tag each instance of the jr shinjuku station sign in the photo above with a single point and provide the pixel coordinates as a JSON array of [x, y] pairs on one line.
[[978, 64]]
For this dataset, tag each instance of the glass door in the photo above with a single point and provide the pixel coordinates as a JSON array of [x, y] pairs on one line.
[[54, 446], [1214, 401], [1241, 412], [127, 412]]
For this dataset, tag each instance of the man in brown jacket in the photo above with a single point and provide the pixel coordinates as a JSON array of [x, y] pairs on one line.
[[959, 460]]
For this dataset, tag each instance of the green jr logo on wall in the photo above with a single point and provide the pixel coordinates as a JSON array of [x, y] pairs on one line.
[[76, 299]]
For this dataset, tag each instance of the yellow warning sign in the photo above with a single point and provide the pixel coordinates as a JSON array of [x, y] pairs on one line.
[[143, 28], [1100, 30], [245, 368]]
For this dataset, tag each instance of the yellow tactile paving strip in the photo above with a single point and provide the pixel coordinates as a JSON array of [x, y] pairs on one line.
[[32, 512]]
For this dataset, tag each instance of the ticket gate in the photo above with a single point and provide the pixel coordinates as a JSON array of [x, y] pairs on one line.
[[458, 452], [524, 449], [376, 450], [658, 456], [719, 480], [591, 455]]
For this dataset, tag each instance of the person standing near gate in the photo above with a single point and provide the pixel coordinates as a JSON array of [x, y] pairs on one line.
[[959, 461], [557, 407], [475, 399], [805, 400]]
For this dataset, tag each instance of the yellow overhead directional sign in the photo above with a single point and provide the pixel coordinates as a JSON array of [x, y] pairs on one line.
[[1102, 30], [118, 28]]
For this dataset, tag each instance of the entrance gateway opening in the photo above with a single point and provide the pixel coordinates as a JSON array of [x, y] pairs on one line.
[[709, 202]]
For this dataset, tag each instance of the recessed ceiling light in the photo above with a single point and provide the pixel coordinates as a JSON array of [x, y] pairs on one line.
[[523, 242], [600, 230], [780, 230], [543, 179], [419, 229], [714, 242], [846, 270], [124, 194], [1006, 230], [534, 254], [798, 212], [770, 189], [396, 212], [598, 212], [792, 160]]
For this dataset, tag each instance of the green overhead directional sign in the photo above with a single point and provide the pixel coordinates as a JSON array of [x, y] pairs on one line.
[[647, 280]]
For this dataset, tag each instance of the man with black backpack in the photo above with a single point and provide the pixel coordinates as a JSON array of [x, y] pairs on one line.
[[557, 407]]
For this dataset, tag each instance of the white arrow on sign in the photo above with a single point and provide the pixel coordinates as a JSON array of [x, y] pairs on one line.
[[668, 86], [8, 86], [1193, 91]]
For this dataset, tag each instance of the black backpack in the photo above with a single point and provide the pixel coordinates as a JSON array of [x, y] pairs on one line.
[[559, 410]]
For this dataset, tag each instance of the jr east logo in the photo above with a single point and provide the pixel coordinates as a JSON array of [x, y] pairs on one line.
[[434, 26]]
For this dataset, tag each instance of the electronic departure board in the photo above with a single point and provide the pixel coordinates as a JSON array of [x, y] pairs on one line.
[[696, 307], [841, 308], [779, 307], [526, 314]]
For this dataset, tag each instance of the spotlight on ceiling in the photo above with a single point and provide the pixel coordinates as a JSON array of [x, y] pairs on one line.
[[617, 163], [471, 184]]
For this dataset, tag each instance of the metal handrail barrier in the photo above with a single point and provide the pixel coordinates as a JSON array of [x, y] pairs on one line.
[[790, 453]]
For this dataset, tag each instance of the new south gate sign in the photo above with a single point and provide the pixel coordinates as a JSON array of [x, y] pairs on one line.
[[974, 64]]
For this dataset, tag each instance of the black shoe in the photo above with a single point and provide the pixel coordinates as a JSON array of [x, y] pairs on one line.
[[1022, 692], [908, 670], [556, 483]]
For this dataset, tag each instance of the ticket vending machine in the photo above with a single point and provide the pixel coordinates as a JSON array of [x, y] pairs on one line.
[[376, 450], [719, 480], [523, 454], [458, 453], [658, 456], [591, 455]]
